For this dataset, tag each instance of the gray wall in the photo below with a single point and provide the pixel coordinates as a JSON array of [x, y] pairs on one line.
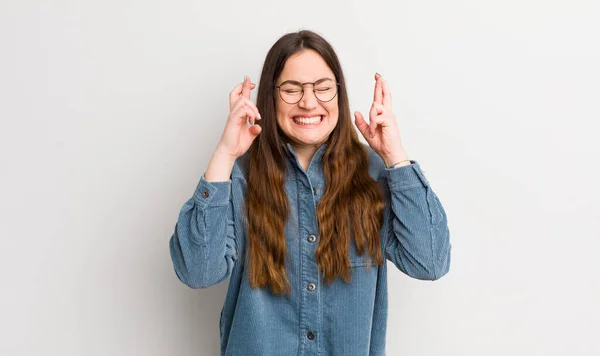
[[110, 111]]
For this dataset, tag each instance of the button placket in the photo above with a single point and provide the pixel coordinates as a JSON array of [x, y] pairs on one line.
[[311, 305]]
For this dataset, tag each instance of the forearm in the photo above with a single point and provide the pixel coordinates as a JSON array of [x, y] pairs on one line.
[[219, 167], [203, 243], [418, 241]]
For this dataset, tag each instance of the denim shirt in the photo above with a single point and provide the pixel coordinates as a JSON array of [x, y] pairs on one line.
[[316, 318]]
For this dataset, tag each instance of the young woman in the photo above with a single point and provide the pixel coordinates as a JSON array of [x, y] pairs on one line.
[[301, 216]]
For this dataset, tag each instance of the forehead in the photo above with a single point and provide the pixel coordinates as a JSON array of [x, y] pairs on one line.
[[305, 66]]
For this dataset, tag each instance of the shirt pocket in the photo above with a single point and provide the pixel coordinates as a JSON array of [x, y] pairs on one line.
[[356, 260]]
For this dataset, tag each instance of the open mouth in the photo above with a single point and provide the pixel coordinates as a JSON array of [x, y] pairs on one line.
[[307, 121]]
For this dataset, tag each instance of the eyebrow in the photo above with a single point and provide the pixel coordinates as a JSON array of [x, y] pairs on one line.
[[298, 83]]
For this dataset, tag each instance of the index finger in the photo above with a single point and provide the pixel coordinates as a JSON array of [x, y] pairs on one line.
[[387, 95], [237, 92]]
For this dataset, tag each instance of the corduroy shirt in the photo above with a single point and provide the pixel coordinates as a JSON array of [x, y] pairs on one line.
[[347, 319]]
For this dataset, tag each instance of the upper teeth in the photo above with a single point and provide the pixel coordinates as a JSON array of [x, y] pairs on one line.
[[308, 120]]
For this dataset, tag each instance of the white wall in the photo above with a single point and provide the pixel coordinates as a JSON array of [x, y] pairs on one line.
[[110, 111]]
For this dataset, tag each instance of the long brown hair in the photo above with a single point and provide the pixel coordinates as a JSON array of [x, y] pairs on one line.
[[352, 205]]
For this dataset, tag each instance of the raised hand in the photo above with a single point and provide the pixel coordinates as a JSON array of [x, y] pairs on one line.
[[237, 135], [381, 133]]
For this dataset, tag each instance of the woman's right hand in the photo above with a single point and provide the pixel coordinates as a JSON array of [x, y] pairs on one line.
[[237, 135]]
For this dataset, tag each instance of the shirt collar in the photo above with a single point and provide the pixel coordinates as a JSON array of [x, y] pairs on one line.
[[316, 159]]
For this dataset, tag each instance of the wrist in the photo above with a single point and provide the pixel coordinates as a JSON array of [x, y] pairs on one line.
[[223, 155], [220, 167], [395, 157], [398, 164]]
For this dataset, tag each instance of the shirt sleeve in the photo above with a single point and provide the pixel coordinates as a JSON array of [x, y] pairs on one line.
[[418, 238], [203, 246]]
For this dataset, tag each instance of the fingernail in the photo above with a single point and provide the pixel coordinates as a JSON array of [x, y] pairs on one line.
[[244, 79], [259, 116], [252, 84], [378, 74]]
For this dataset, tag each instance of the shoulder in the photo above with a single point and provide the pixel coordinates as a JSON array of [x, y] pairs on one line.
[[376, 164]]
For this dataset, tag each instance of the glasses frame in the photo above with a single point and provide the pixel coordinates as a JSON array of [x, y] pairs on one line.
[[337, 90]]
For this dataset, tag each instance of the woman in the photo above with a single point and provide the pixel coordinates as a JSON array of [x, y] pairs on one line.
[[301, 216]]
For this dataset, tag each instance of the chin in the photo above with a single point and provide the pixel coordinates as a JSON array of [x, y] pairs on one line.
[[308, 141]]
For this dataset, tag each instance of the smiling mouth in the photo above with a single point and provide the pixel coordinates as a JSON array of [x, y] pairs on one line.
[[307, 120]]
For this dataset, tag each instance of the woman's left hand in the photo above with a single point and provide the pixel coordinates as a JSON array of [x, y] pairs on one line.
[[382, 132]]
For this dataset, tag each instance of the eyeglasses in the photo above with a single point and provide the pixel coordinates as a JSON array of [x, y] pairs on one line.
[[292, 91]]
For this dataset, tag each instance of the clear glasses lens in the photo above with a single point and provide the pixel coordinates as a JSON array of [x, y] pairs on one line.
[[324, 91]]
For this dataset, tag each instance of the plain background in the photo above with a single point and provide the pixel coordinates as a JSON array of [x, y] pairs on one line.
[[110, 111]]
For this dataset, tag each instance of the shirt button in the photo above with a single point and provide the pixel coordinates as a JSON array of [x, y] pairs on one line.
[[311, 287], [312, 238], [205, 193], [310, 335]]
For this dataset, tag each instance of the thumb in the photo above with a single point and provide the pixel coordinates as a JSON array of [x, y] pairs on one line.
[[362, 126], [255, 130]]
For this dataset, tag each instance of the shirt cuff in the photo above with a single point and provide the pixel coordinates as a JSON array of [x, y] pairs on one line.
[[406, 177], [212, 193]]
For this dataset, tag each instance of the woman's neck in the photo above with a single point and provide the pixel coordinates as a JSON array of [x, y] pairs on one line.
[[305, 154]]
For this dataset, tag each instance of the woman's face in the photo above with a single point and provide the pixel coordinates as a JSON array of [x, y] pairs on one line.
[[310, 121]]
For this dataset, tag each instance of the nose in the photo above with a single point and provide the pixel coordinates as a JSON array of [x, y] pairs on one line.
[[309, 100]]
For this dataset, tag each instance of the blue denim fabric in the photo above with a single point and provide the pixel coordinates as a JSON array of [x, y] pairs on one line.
[[338, 319]]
